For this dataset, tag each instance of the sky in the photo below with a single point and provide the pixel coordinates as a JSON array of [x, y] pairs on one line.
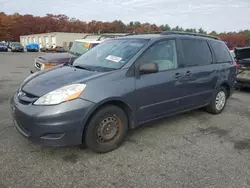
[[218, 15]]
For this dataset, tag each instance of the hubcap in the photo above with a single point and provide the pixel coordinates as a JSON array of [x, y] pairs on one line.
[[108, 129], [220, 100]]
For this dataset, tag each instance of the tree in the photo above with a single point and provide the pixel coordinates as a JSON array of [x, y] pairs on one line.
[[234, 40], [12, 26], [165, 27]]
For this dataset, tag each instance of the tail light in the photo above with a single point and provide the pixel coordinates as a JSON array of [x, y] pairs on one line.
[[236, 65]]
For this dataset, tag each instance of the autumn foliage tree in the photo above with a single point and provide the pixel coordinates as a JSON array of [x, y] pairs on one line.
[[234, 40], [12, 26]]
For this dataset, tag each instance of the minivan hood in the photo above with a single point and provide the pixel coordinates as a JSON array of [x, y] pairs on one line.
[[48, 80], [242, 53], [57, 57]]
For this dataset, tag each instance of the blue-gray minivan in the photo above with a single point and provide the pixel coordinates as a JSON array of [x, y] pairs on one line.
[[121, 84]]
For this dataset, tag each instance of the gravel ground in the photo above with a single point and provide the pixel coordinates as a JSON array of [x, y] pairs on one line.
[[194, 149]]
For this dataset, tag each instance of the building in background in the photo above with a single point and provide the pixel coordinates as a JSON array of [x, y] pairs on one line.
[[52, 39]]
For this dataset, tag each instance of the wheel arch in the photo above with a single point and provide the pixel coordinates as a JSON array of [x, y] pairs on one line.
[[227, 87], [116, 102]]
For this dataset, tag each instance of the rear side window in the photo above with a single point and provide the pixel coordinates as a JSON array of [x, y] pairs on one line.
[[221, 52], [196, 52]]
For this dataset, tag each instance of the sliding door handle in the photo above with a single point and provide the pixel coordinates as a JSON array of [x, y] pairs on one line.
[[188, 73], [177, 75]]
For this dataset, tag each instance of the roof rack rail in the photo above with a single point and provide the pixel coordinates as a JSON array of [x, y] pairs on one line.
[[89, 35], [113, 35], [188, 33], [144, 33]]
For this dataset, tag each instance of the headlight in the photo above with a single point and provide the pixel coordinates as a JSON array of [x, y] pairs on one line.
[[51, 64], [42, 66], [62, 94]]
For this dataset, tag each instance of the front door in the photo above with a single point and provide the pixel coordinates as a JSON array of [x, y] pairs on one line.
[[157, 94]]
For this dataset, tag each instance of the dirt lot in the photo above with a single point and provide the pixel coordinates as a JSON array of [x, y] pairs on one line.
[[194, 149]]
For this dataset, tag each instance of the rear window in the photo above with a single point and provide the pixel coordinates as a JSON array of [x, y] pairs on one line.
[[196, 52], [221, 52]]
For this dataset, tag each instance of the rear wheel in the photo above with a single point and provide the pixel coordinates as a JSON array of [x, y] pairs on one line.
[[106, 129], [218, 101]]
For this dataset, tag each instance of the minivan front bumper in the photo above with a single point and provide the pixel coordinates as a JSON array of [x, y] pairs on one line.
[[57, 125]]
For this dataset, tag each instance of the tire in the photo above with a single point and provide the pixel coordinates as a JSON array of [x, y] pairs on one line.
[[94, 134], [217, 109]]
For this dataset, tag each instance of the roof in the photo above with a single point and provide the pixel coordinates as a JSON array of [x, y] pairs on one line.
[[140, 36], [170, 34], [242, 48]]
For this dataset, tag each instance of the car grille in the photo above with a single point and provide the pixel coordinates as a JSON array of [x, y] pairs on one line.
[[26, 98]]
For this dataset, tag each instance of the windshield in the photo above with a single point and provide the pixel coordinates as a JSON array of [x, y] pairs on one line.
[[2, 44], [111, 54], [79, 48], [16, 44]]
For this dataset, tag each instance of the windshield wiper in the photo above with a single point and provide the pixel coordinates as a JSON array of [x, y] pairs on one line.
[[71, 52], [83, 67]]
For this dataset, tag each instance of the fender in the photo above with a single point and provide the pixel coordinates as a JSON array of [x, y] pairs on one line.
[[132, 114]]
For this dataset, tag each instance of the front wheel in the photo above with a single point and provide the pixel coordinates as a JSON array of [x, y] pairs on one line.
[[218, 101], [106, 129]]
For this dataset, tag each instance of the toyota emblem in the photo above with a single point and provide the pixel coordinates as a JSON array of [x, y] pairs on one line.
[[21, 94]]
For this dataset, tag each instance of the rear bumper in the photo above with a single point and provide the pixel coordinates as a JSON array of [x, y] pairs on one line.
[[32, 50], [17, 50], [57, 125]]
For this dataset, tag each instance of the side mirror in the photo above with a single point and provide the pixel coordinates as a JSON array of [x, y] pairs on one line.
[[149, 68]]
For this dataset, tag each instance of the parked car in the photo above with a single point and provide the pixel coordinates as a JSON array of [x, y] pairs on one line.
[[8, 43], [121, 84], [242, 56], [232, 54], [3, 47], [32, 47], [57, 49], [78, 48], [16, 47]]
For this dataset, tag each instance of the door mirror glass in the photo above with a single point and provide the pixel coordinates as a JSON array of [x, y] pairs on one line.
[[149, 68]]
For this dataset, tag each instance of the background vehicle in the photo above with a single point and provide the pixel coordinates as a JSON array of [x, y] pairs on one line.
[[3, 47], [242, 56], [120, 84], [232, 54], [32, 47], [16, 47], [57, 49], [78, 48]]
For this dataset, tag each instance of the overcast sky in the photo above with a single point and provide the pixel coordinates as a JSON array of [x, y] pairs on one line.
[[218, 15]]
